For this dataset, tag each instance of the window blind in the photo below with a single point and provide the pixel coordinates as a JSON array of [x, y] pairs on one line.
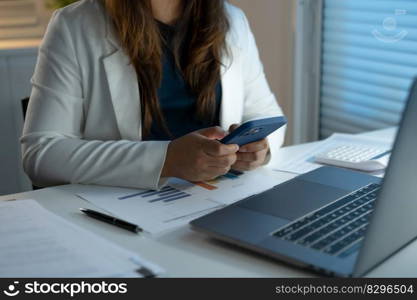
[[369, 57]]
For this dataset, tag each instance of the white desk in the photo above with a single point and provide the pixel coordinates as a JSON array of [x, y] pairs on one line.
[[184, 253]]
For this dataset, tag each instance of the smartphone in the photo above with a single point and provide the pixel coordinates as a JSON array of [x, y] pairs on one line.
[[253, 131]]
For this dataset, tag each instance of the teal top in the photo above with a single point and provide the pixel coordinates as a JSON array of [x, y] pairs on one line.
[[176, 100]]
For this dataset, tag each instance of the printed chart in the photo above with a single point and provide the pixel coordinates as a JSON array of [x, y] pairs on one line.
[[179, 201], [166, 194], [212, 184]]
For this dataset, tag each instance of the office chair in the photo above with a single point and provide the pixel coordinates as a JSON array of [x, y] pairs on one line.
[[25, 103]]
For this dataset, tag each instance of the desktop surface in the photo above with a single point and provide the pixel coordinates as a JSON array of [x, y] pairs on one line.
[[185, 253]]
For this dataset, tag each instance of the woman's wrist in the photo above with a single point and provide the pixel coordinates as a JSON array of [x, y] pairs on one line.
[[167, 170]]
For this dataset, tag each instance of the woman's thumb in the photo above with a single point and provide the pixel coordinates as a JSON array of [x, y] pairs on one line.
[[213, 133]]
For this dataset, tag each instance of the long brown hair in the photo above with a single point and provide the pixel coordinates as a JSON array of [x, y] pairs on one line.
[[198, 46]]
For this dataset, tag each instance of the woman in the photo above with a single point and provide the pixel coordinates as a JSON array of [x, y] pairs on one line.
[[129, 93]]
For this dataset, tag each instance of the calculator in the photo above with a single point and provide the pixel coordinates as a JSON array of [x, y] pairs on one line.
[[357, 157]]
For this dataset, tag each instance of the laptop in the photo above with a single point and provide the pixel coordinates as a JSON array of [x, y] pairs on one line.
[[334, 221]]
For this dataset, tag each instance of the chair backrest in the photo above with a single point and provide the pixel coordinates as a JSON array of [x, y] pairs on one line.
[[25, 103]]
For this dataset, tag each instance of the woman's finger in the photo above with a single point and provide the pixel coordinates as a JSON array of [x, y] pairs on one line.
[[215, 148], [233, 127], [255, 146], [241, 165], [252, 156], [221, 161]]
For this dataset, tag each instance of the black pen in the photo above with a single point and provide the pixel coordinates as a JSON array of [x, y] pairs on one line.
[[111, 220]]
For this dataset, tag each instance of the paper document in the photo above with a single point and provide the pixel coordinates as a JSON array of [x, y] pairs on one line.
[[304, 162], [37, 243], [179, 202], [234, 186]]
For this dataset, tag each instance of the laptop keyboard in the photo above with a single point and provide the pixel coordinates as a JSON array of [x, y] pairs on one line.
[[336, 229]]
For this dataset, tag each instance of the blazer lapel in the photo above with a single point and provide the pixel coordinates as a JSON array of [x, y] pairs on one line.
[[232, 91], [124, 89]]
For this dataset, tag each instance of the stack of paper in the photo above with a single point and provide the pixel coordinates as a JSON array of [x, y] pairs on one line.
[[178, 202], [37, 243]]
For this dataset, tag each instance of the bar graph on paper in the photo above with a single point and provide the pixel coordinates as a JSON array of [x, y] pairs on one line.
[[166, 194], [179, 201], [170, 193], [212, 185]]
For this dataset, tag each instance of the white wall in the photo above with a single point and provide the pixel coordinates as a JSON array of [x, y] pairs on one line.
[[272, 22]]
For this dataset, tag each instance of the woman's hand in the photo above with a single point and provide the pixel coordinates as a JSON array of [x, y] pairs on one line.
[[250, 156], [198, 156]]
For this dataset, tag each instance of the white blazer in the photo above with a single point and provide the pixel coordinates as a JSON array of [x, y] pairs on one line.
[[83, 123]]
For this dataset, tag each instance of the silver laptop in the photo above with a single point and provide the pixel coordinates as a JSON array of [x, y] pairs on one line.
[[331, 220]]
